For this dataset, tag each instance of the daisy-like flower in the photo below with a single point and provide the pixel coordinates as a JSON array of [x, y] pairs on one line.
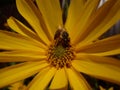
[[57, 53]]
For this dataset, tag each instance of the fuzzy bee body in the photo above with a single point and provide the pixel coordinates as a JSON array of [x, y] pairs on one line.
[[62, 38]]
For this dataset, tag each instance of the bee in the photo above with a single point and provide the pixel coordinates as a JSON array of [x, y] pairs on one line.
[[62, 38]]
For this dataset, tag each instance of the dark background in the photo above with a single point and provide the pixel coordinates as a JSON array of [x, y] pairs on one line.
[[7, 9]]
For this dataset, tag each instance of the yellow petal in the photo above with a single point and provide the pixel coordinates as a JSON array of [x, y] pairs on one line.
[[111, 88], [20, 28], [101, 70], [77, 81], [98, 59], [108, 44], [51, 13], [74, 12], [111, 16], [108, 53], [42, 80], [40, 75], [83, 20], [95, 20], [18, 72], [20, 56], [59, 81], [30, 12], [101, 88], [11, 40], [17, 85], [23, 53]]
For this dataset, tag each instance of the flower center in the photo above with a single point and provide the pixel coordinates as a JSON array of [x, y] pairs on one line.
[[60, 53]]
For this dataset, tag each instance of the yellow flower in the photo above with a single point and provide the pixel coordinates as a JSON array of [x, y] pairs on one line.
[[55, 52]]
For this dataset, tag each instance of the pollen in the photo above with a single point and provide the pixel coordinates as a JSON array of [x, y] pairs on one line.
[[60, 52]]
